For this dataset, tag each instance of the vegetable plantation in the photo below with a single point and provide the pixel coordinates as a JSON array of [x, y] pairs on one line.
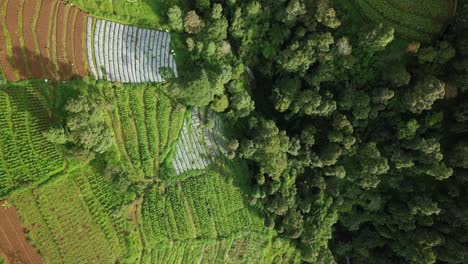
[[206, 219], [127, 54], [199, 145], [413, 20], [70, 218], [25, 155], [241, 247], [204, 206], [146, 124]]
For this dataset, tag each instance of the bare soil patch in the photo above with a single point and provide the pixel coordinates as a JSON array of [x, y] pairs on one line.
[[14, 245]]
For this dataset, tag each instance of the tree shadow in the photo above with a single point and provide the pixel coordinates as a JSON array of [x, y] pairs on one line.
[[31, 65]]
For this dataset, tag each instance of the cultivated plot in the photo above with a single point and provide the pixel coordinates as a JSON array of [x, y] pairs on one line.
[[25, 155], [42, 39], [69, 218], [14, 245], [128, 54], [146, 125], [198, 145]]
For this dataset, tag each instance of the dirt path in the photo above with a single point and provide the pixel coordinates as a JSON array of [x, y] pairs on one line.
[[14, 245]]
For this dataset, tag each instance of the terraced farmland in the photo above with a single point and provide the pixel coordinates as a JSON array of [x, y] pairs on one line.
[[25, 155], [205, 219], [205, 206], [237, 248], [127, 54], [413, 20], [146, 124], [69, 218], [42, 39], [199, 146]]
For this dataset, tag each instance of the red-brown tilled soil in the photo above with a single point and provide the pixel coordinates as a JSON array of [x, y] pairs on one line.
[[29, 8], [14, 7], [71, 41], [42, 35], [13, 243], [6, 65], [80, 43], [61, 33], [54, 49]]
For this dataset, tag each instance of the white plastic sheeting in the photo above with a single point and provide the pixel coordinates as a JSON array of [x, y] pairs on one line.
[[199, 146], [127, 54]]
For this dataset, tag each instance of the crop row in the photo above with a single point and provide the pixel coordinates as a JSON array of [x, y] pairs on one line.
[[198, 146], [425, 8], [398, 24], [206, 207], [406, 18], [237, 248], [25, 155], [127, 54], [69, 219]]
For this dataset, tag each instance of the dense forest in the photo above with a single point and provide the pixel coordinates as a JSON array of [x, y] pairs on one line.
[[357, 135]]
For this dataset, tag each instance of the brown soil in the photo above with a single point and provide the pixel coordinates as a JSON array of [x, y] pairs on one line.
[[70, 40], [29, 35], [54, 49], [61, 34], [52, 58], [11, 19], [42, 34], [5, 64], [80, 43], [13, 242]]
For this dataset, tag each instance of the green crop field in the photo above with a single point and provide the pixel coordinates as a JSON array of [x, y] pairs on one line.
[[205, 218], [25, 155], [70, 218], [413, 20], [146, 124]]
